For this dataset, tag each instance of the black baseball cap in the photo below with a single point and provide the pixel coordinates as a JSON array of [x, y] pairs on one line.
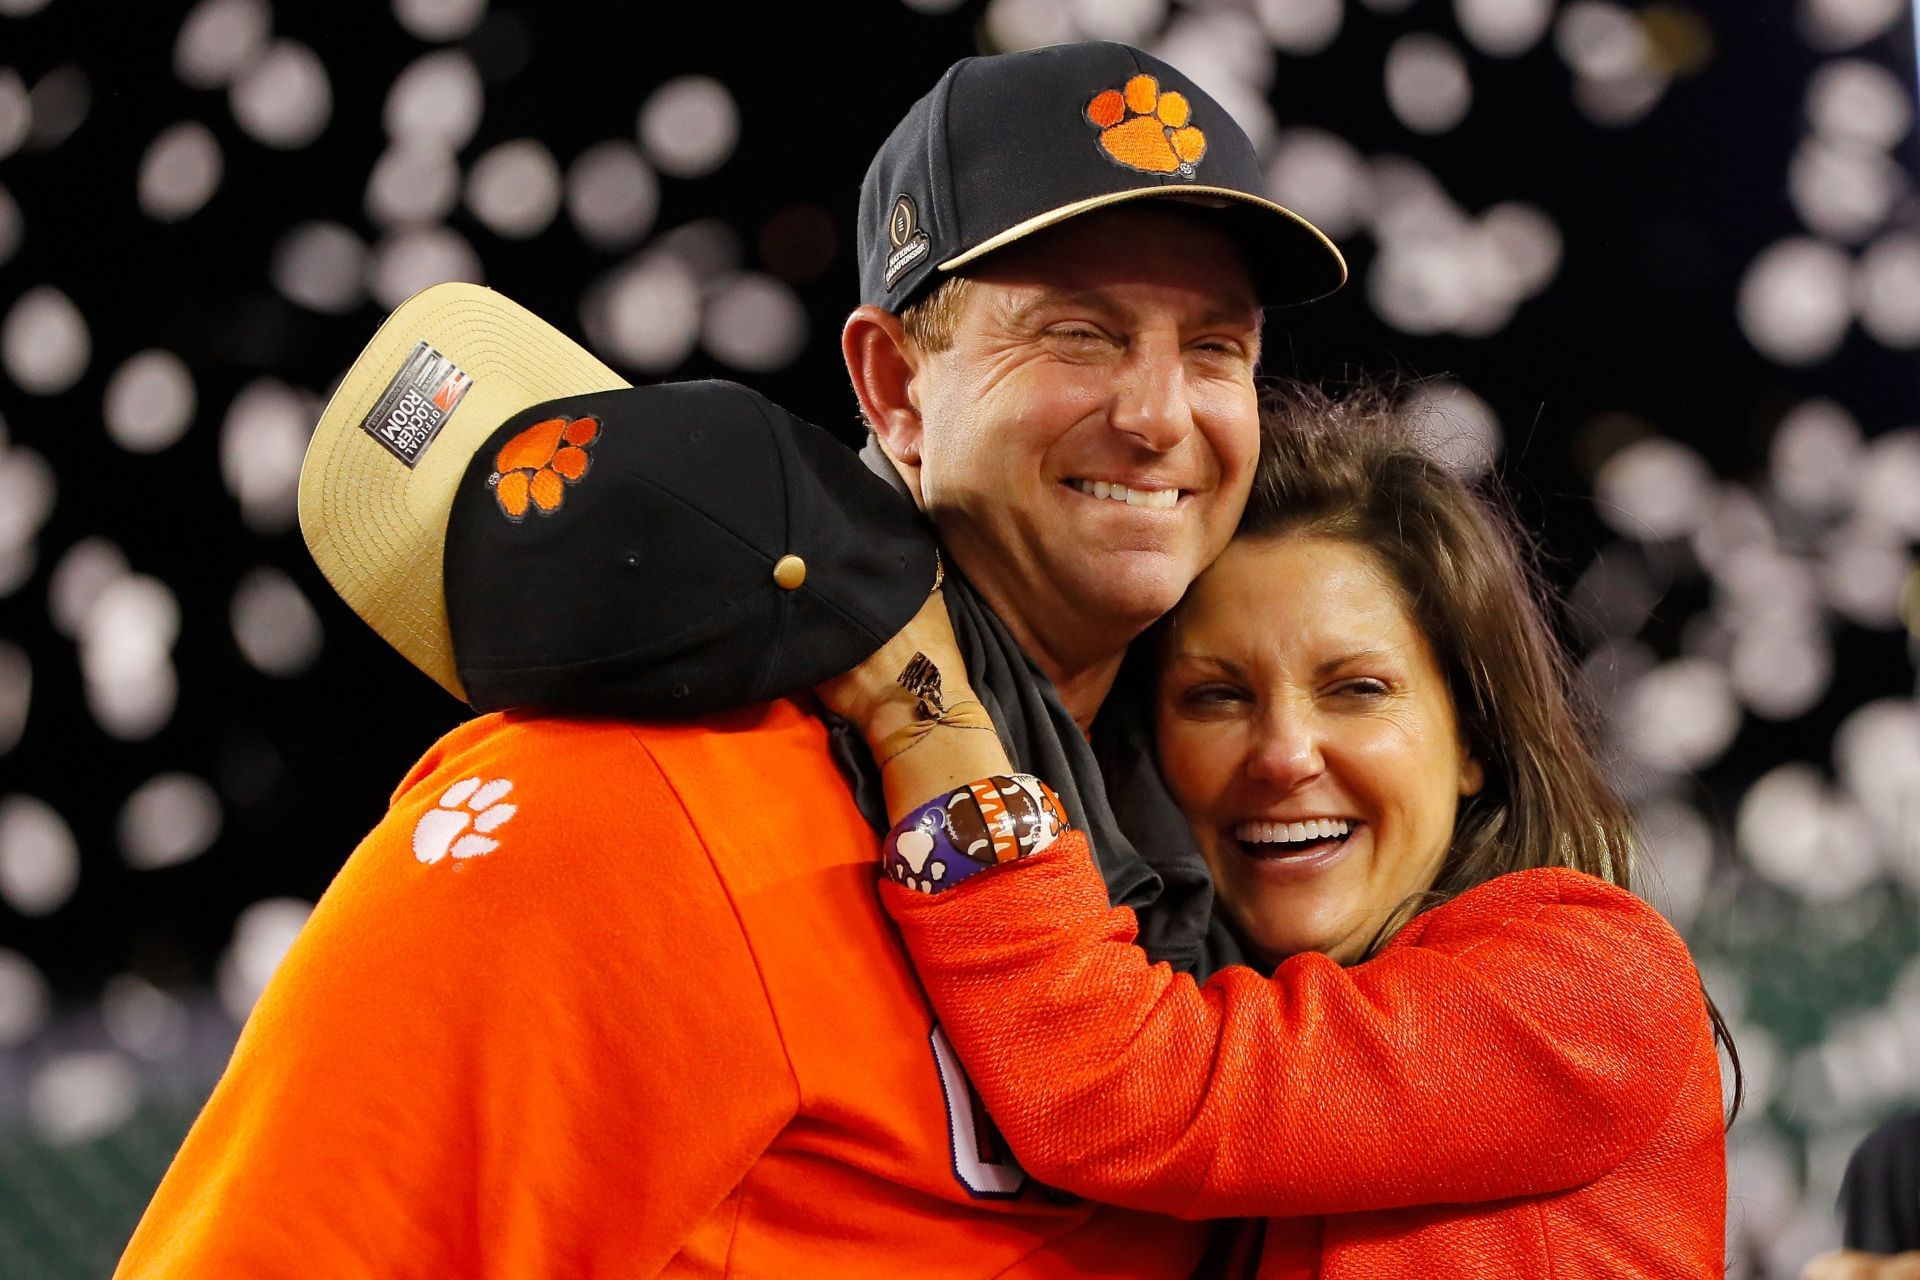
[[649, 586], [530, 531], [1011, 144]]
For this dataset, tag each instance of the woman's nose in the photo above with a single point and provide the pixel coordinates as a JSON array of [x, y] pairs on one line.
[[1285, 750]]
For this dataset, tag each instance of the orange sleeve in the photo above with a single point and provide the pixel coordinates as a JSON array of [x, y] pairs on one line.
[[1520, 1040], [556, 1059]]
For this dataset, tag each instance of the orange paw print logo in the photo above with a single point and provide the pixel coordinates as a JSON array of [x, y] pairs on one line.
[[533, 469], [1145, 129]]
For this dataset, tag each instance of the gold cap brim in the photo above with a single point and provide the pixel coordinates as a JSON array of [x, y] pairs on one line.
[[376, 527], [1326, 265]]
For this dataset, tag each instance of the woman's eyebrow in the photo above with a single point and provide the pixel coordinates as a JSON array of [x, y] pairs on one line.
[[1358, 655], [1211, 660]]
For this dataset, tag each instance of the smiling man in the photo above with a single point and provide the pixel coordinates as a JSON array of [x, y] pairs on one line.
[[1063, 256], [1084, 440], [613, 997]]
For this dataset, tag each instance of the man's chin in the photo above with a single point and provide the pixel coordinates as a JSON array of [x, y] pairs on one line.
[[1099, 599], [1129, 598]]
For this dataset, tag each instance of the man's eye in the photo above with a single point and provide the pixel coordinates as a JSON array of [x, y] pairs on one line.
[[1237, 346]]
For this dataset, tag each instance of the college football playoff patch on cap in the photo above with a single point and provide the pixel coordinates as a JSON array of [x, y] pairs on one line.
[[910, 244]]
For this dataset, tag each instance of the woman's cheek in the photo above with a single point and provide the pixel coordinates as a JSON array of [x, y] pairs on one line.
[[1196, 761]]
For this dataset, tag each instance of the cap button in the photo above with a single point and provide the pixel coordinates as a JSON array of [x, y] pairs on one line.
[[790, 572]]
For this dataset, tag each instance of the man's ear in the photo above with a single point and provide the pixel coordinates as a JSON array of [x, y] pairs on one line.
[[882, 363]]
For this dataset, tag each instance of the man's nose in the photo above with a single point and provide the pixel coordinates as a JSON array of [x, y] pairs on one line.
[[1285, 749], [1151, 404]]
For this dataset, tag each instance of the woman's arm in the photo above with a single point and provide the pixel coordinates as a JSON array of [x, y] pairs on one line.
[[1520, 1040], [1523, 1039]]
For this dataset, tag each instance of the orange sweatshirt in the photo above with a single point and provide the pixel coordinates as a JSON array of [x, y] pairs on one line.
[[605, 999], [1522, 1083]]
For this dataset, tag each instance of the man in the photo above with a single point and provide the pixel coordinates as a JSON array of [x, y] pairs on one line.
[[602, 997], [1879, 1208]]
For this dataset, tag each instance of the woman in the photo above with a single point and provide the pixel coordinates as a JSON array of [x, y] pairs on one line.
[[1470, 1050]]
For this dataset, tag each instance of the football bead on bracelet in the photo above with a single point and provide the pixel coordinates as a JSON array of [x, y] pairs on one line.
[[963, 832]]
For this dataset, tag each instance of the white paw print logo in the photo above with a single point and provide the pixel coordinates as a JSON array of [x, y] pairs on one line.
[[915, 848], [469, 810]]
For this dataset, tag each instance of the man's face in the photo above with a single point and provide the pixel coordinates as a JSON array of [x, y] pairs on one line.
[[1115, 350]]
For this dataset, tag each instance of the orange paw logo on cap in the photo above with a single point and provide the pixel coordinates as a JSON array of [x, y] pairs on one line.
[[532, 470], [1145, 129]]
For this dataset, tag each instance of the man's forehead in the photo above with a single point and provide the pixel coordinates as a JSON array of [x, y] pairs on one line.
[[1108, 256], [1112, 298]]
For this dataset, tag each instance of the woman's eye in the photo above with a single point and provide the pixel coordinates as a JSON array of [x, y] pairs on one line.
[[1212, 695], [1367, 687]]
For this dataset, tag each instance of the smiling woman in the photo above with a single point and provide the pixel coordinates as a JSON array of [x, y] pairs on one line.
[[1469, 1049], [1394, 654], [1315, 752]]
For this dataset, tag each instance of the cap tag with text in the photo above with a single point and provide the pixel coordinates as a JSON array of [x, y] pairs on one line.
[[417, 403], [910, 244]]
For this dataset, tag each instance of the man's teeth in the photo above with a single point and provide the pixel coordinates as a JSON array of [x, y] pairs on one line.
[[1152, 499], [1292, 832]]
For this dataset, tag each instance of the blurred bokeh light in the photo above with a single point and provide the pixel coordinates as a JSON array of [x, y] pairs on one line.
[[1650, 266]]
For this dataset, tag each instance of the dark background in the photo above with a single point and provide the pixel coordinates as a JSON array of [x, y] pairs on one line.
[[1636, 335]]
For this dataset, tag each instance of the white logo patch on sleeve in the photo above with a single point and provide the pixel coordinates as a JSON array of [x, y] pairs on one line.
[[467, 812]]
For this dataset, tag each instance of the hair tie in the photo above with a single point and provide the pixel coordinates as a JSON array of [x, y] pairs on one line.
[[921, 678]]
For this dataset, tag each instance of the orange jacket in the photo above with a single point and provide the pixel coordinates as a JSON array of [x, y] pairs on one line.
[[599, 999], [1522, 1083]]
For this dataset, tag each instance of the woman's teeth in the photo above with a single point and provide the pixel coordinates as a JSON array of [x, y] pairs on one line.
[[1292, 832], [1151, 499]]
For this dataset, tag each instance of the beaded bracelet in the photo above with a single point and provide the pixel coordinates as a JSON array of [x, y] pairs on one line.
[[966, 830]]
